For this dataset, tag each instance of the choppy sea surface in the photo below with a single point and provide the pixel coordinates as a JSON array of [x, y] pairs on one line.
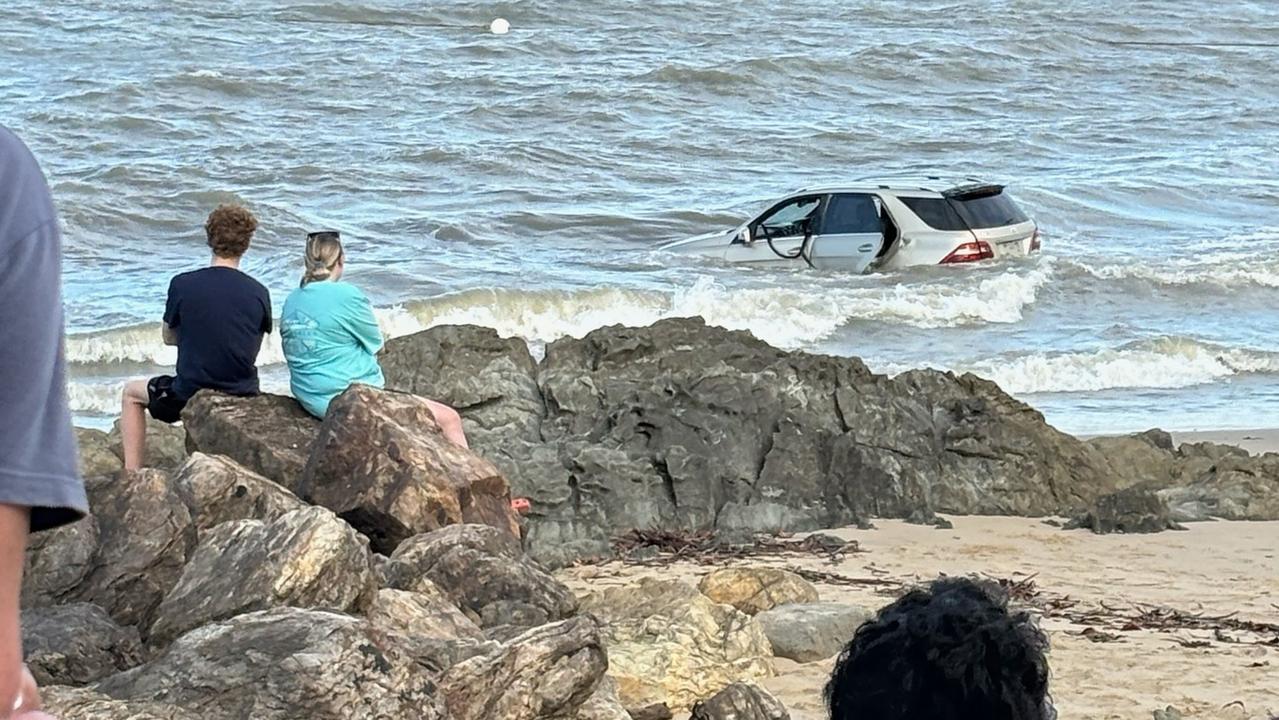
[[523, 181]]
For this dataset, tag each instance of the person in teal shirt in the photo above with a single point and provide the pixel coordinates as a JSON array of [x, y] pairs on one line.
[[331, 337]]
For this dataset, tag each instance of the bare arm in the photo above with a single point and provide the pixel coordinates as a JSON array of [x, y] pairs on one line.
[[169, 334], [14, 522]]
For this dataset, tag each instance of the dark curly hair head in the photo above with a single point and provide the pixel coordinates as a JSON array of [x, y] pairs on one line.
[[948, 651], [229, 230]]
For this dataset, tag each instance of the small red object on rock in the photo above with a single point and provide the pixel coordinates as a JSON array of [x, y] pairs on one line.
[[521, 505]]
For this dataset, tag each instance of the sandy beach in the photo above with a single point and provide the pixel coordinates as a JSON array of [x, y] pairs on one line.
[[1213, 568]]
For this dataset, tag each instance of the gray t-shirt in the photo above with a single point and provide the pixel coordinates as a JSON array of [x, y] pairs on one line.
[[37, 443]]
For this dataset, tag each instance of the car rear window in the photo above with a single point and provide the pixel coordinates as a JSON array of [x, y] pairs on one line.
[[976, 213], [936, 212], [990, 211]]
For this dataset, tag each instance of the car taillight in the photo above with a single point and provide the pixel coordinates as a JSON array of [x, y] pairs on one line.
[[970, 252], [1035, 242]]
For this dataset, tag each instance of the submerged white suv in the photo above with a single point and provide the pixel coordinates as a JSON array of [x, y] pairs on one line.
[[878, 225]]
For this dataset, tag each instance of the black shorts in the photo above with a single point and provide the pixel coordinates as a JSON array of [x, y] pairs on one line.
[[164, 404]]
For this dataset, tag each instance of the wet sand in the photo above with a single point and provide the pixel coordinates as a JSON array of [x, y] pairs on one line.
[[1254, 441], [1215, 568]]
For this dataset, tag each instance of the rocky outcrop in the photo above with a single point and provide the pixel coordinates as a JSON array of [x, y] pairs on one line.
[[683, 426], [754, 590], [433, 630], [548, 672], [217, 490], [383, 465], [77, 644], [740, 701], [97, 459], [668, 643], [268, 434], [1231, 486], [283, 664], [84, 704], [812, 632], [604, 704], [166, 446], [307, 558], [1134, 510], [143, 534], [485, 573]]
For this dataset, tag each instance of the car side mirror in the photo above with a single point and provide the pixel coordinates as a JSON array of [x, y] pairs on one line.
[[745, 235]]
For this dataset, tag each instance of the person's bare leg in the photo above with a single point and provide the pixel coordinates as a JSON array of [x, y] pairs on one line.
[[133, 424], [450, 423]]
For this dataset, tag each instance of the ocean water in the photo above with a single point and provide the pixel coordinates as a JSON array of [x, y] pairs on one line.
[[523, 181]]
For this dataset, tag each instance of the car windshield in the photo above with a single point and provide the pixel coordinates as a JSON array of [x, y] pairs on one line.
[[792, 213]]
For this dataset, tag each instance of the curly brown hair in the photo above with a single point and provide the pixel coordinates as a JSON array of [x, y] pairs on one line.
[[230, 229]]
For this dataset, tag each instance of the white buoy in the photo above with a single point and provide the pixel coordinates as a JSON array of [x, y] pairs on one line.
[[499, 26]]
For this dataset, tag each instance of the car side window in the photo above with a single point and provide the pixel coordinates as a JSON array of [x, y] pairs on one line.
[[852, 213], [787, 219]]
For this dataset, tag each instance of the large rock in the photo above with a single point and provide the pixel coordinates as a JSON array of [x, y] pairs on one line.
[[97, 459], [433, 630], [740, 701], [1227, 485], [77, 644], [284, 664], [1147, 458], [808, 633], [1133, 510], [166, 446], [57, 561], [485, 572], [548, 672], [382, 464], [307, 558], [217, 489], [268, 434], [754, 590], [68, 703], [668, 643], [604, 704], [684, 426], [144, 536]]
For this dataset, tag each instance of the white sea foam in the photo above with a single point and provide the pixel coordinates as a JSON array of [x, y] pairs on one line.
[[1167, 363]]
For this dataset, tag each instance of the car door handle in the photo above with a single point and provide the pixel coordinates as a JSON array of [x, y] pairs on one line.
[[868, 247]]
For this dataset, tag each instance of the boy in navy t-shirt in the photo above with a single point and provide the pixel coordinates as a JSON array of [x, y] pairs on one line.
[[217, 318]]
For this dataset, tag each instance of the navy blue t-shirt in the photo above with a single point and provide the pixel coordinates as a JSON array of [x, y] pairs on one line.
[[220, 315]]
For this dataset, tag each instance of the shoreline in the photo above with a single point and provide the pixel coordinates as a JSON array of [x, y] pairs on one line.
[[1257, 442]]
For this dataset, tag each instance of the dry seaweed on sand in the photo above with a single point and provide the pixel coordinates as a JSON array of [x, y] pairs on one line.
[[664, 547]]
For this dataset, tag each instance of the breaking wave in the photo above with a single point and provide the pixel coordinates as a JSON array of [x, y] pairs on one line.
[[1163, 363], [783, 316]]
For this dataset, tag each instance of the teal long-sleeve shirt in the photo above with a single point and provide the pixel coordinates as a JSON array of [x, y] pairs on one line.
[[331, 340]]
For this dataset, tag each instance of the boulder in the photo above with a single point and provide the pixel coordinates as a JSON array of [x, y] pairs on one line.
[[1147, 459], [268, 434], [383, 465], [77, 644], [306, 558], [432, 629], [548, 672], [1227, 485], [1134, 510], [145, 535], [84, 704], [754, 590], [166, 446], [809, 633], [57, 561], [485, 573], [740, 701], [670, 644], [97, 459], [283, 664], [217, 489]]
